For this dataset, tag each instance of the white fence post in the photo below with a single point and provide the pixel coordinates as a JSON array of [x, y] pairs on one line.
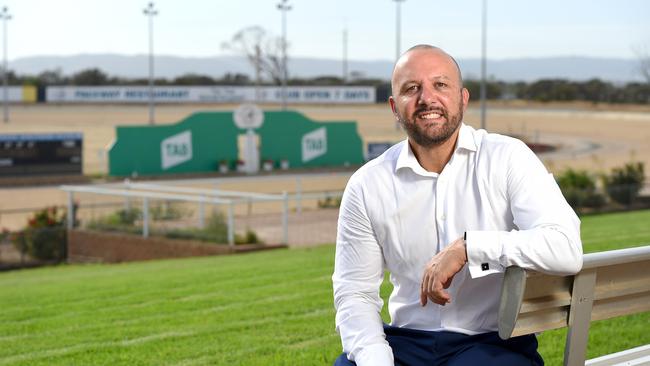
[[127, 199], [70, 213], [285, 218], [298, 194], [231, 224], [202, 213], [145, 217]]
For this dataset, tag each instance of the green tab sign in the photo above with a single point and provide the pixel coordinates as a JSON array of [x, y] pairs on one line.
[[200, 142]]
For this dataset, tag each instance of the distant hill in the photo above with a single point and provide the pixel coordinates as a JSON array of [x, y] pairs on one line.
[[524, 69]]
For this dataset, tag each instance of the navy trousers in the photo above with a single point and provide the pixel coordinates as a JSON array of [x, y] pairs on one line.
[[424, 348]]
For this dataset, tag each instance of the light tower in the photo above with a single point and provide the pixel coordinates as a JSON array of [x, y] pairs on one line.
[[284, 8], [150, 12], [398, 27], [483, 64], [5, 16], [345, 55]]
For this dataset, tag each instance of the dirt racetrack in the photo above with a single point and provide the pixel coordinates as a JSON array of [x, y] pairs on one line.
[[595, 138]]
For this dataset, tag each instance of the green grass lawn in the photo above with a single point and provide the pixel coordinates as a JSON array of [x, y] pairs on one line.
[[266, 308]]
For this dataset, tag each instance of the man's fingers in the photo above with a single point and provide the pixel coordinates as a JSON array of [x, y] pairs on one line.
[[441, 297], [432, 289], [438, 296], [425, 282], [423, 296], [439, 273]]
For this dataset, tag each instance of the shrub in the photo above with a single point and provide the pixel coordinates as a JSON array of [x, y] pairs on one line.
[[250, 237], [5, 235], [45, 235], [215, 231], [168, 211], [579, 189], [329, 202], [121, 220], [623, 184]]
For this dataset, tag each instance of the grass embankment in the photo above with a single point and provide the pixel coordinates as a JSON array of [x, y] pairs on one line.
[[267, 308]]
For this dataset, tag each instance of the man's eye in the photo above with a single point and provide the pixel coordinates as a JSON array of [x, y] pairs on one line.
[[412, 88], [440, 84]]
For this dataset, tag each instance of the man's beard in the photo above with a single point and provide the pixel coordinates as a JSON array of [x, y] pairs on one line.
[[418, 133]]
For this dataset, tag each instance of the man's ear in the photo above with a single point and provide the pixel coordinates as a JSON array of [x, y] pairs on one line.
[[465, 95], [391, 101]]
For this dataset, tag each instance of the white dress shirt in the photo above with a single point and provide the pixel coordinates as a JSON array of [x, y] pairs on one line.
[[395, 216]]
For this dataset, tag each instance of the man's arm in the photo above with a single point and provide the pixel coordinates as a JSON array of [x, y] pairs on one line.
[[358, 274], [547, 239]]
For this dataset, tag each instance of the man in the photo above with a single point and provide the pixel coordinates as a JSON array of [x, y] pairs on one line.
[[445, 212]]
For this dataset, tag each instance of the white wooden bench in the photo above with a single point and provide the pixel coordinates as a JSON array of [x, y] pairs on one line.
[[610, 284]]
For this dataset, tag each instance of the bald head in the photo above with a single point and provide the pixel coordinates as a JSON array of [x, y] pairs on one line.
[[422, 51]]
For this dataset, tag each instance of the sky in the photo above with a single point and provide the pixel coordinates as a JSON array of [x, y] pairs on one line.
[[197, 28]]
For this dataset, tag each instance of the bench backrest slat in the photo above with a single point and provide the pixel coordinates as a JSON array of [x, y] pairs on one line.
[[534, 302]]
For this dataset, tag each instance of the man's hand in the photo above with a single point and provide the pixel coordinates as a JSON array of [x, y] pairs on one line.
[[439, 272]]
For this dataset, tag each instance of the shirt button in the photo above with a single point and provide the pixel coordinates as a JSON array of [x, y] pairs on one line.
[[443, 217]]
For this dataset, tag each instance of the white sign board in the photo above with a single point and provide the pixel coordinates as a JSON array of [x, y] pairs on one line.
[[314, 144], [176, 149], [210, 94], [15, 94]]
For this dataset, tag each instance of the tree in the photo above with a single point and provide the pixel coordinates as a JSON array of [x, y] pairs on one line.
[[595, 90], [494, 89], [262, 50], [193, 79], [90, 77], [546, 90], [51, 77], [235, 79], [635, 93]]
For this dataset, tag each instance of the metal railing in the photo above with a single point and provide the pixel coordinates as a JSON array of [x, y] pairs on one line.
[[203, 197]]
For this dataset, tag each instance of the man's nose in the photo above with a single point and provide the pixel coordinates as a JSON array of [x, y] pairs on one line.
[[428, 94]]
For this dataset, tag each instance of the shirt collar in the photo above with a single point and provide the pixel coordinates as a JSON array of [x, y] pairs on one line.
[[466, 139], [407, 159]]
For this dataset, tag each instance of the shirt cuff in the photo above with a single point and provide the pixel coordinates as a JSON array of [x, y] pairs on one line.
[[375, 355], [484, 249]]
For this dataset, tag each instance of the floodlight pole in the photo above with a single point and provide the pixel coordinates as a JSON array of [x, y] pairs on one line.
[[5, 16], [398, 27], [483, 64], [345, 55], [284, 8], [150, 12]]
